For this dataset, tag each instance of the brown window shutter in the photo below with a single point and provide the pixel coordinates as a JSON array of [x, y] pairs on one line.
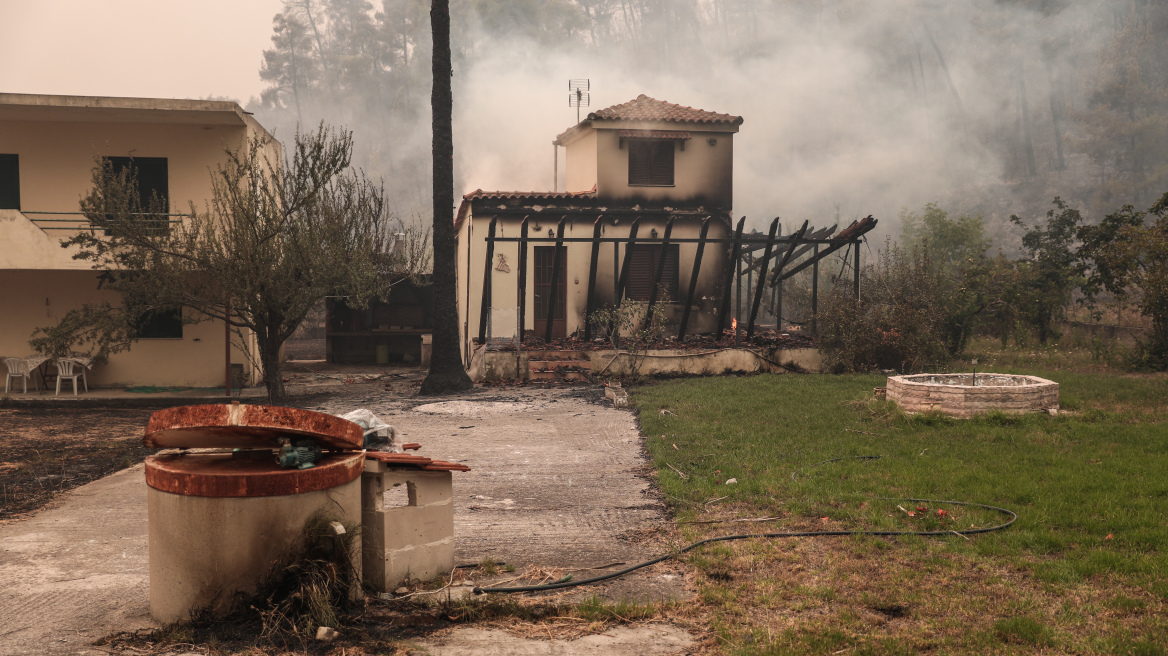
[[643, 267], [651, 162]]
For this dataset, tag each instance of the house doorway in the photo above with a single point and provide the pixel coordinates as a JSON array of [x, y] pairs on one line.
[[544, 260]]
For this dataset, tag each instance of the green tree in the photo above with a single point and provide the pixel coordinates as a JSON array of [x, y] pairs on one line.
[[447, 373], [276, 237], [1052, 271], [1128, 253]]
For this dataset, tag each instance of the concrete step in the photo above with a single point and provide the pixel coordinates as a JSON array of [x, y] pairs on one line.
[[557, 375], [559, 364]]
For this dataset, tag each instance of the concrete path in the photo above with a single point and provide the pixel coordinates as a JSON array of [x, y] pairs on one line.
[[554, 482], [78, 571]]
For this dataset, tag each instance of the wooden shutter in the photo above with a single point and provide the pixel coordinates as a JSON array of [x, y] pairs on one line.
[[643, 267], [651, 162]]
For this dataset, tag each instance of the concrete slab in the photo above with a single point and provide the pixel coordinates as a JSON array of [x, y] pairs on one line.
[[618, 641], [554, 482], [78, 571]]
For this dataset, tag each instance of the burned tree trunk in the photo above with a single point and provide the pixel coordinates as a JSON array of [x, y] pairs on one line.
[[446, 369]]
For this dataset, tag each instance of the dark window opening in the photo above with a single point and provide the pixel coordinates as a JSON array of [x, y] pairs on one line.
[[9, 182], [643, 267], [160, 324], [153, 187], [651, 162]]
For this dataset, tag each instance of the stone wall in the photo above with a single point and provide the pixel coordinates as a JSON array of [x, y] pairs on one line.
[[953, 395]]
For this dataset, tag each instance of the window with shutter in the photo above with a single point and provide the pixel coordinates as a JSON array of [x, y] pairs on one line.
[[643, 267], [153, 185], [9, 182], [651, 162]]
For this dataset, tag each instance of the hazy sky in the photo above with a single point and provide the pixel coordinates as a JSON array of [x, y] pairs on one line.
[[150, 48]]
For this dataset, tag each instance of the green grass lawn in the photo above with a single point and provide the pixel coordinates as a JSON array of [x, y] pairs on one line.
[[1084, 569]]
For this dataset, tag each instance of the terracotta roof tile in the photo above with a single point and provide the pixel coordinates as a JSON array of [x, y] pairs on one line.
[[644, 108]]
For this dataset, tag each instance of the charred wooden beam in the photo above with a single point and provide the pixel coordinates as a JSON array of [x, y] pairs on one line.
[[729, 287], [657, 275], [814, 290], [762, 276], [553, 296], [624, 274], [849, 235], [522, 281], [485, 301], [693, 278], [590, 302]]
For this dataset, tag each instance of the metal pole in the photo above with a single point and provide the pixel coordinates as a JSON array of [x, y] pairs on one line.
[[552, 295], [693, 278], [590, 304], [226, 347], [856, 282], [485, 301]]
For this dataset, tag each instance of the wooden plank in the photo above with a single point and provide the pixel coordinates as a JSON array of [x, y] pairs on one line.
[[522, 281], [693, 278], [485, 301], [729, 286], [590, 302], [657, 276], [551, 303], [762, 276]]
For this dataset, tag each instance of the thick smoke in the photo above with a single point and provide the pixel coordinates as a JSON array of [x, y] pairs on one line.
[[851, 108]]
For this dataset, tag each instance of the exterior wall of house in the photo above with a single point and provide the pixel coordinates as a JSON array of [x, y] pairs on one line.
[[580, 163], [35, 299], [504, 284], [56, 158], [703, 172]]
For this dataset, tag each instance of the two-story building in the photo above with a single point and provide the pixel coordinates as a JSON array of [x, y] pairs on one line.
[[48, 148], [645, 162]]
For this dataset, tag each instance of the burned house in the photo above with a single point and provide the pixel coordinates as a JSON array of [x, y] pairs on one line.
[[658, 173], [646, 216]]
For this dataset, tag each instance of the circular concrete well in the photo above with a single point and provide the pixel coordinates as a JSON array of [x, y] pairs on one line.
[[965, 395], [220, 522]]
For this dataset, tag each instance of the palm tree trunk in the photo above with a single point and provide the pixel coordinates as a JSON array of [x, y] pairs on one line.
[[446, 370]]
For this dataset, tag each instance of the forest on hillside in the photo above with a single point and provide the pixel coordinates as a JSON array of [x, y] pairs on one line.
[[986, 107]]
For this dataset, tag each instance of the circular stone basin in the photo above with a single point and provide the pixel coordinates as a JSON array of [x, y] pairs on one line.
[[965, 395]]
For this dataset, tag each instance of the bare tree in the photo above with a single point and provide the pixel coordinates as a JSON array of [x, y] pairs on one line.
[[275, 239]]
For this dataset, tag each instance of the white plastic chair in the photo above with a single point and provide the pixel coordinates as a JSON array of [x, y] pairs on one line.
[[16, 369], [65, 371]]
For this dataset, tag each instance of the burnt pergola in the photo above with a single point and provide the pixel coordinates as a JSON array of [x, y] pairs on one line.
[[788, 250]]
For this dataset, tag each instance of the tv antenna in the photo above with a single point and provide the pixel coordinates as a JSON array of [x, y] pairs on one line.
[[578, 95]]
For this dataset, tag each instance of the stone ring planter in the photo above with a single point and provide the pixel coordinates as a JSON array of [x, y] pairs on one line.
[[965, 395]]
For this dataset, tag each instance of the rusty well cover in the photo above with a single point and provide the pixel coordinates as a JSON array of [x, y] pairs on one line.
[[251, 474], [247, 426]]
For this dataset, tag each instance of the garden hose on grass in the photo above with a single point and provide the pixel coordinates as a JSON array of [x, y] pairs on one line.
[[787, 534]]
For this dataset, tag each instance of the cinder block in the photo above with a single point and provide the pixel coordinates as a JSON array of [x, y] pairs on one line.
[[421, 562], [427, 486]]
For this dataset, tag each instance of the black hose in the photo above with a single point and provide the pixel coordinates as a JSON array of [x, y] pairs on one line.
[[789, 534]]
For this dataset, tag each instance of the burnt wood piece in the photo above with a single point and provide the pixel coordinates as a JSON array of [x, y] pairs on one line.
[[693, 278], [591, 300], [762, 275], [786, 258], [522, 281], [485, 301], [657, 275], [850, 234], [856, 282], [624, 275], [551, 303], [729, 287], [814, 290], [818, 234]]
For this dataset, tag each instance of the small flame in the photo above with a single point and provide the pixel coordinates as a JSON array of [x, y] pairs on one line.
[[734, 324]]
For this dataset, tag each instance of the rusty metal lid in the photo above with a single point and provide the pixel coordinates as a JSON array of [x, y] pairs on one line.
[[254, 474], [247, 426]]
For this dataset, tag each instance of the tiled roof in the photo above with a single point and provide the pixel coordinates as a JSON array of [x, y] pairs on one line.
[[644, 108]]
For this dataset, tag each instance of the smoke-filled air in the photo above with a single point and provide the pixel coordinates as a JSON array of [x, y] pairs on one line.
[[850, 108]]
